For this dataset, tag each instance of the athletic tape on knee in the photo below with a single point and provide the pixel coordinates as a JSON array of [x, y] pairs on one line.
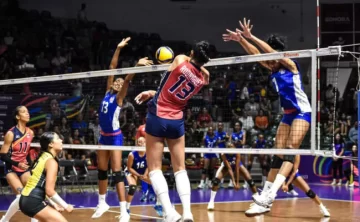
[[119, 177], [311, 194], [132, 190], [102, 174], [205, 171], [276, 162], [216, 182], [251, 182]]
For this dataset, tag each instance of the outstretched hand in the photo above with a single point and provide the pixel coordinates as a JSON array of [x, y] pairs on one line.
[[124, 43], [142, 97], [246, 28], [145, 62], [232, 36]]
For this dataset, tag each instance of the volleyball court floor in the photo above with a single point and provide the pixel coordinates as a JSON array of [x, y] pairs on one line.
[[342, 202]]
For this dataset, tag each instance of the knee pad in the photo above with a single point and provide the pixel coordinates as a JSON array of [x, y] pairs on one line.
[[132, 189], [205, 171], [102, 174], [311, 194], [289, 158], [276, 162], [216, 182], [119, 177], [251, 182], [291, 187]]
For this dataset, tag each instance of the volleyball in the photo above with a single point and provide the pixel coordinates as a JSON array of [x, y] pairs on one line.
[[164, 55]]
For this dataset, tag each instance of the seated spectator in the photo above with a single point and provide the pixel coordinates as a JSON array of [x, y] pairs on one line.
[[65, 129], [247, 122], [261, 121], [38, 134], [353, 133], [80, 125], [59, 63], [204, 119], [265, 105], [57, 131], [193, 136], [252, 107], [343, 125], [55, 116], [95, 127], [189, 118]]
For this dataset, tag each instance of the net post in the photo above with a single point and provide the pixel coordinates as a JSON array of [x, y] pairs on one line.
[[358, 142], [313, 102]]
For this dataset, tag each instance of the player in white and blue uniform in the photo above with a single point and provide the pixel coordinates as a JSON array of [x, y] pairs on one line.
[[137, 170], [221, 136], [238, 137], [109, 114], [286, 78], [231, 164], [210, 159]]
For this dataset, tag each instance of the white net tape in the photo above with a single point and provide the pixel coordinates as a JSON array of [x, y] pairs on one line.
[[312, 53]]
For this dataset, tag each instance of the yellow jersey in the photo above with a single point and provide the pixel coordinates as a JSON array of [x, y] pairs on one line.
[[35, 187]]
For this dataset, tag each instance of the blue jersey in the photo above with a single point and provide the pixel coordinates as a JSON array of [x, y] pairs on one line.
[[260, 144], [221, 136], [231, 158], [290, 89], [139, 163], [210, 142], [235, 137], [109, 115]]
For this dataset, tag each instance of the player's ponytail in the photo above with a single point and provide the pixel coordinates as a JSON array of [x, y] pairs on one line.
[[15, 113], [201, 52]]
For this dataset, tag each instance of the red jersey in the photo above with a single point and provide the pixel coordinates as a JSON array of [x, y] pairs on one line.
[[140, 132], [175, 90], [20, 147]]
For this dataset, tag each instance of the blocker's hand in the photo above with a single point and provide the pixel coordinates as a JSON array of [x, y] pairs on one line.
[[142, 97]]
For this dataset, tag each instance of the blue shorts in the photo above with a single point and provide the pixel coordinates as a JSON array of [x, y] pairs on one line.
[[289, 118], [164, 128], [111, 140], [210, 156], [8, 169]]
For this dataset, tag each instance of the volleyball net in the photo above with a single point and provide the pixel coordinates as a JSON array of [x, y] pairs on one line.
[[240, 91]]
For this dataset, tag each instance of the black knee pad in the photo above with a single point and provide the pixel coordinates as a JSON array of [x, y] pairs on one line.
[[311, 194], [289, 158], [205, 171], [132, 190], [276, 162], [102, 174], [251, 183], [119, 177], [211, 173], [291, 187], [216, 182]]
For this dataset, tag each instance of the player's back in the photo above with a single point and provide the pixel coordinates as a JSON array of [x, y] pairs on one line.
[[109, 114], [139, 162], [20, 146], [175, 89]]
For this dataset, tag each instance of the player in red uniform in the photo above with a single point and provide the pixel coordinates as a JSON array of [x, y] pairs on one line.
[[165, 121], [14, 153]]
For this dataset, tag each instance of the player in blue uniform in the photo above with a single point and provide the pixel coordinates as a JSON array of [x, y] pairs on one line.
[[111, 135], [231, 163], [221, 136], [210, 159], [238, 139], [137, 170], [260, 143], [286, 79]]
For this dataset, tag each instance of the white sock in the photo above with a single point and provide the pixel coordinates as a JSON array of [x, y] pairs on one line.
[[321, 205], [279, 180], [128, 205], [201, 182], [222, 180], [123, 208], [184, 190], [207, 180], [34, 220], [158, 202], [212, 196], [102, 198], [267, 186], [263, 179], [161, 189], [13, 208]]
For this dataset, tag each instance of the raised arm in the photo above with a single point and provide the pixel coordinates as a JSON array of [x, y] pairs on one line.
[[115, 59], [265, 47], [122, 93], [247, 46], [143, 96]]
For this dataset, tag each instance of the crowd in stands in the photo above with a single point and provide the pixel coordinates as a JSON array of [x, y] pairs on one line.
[[34, 43]]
